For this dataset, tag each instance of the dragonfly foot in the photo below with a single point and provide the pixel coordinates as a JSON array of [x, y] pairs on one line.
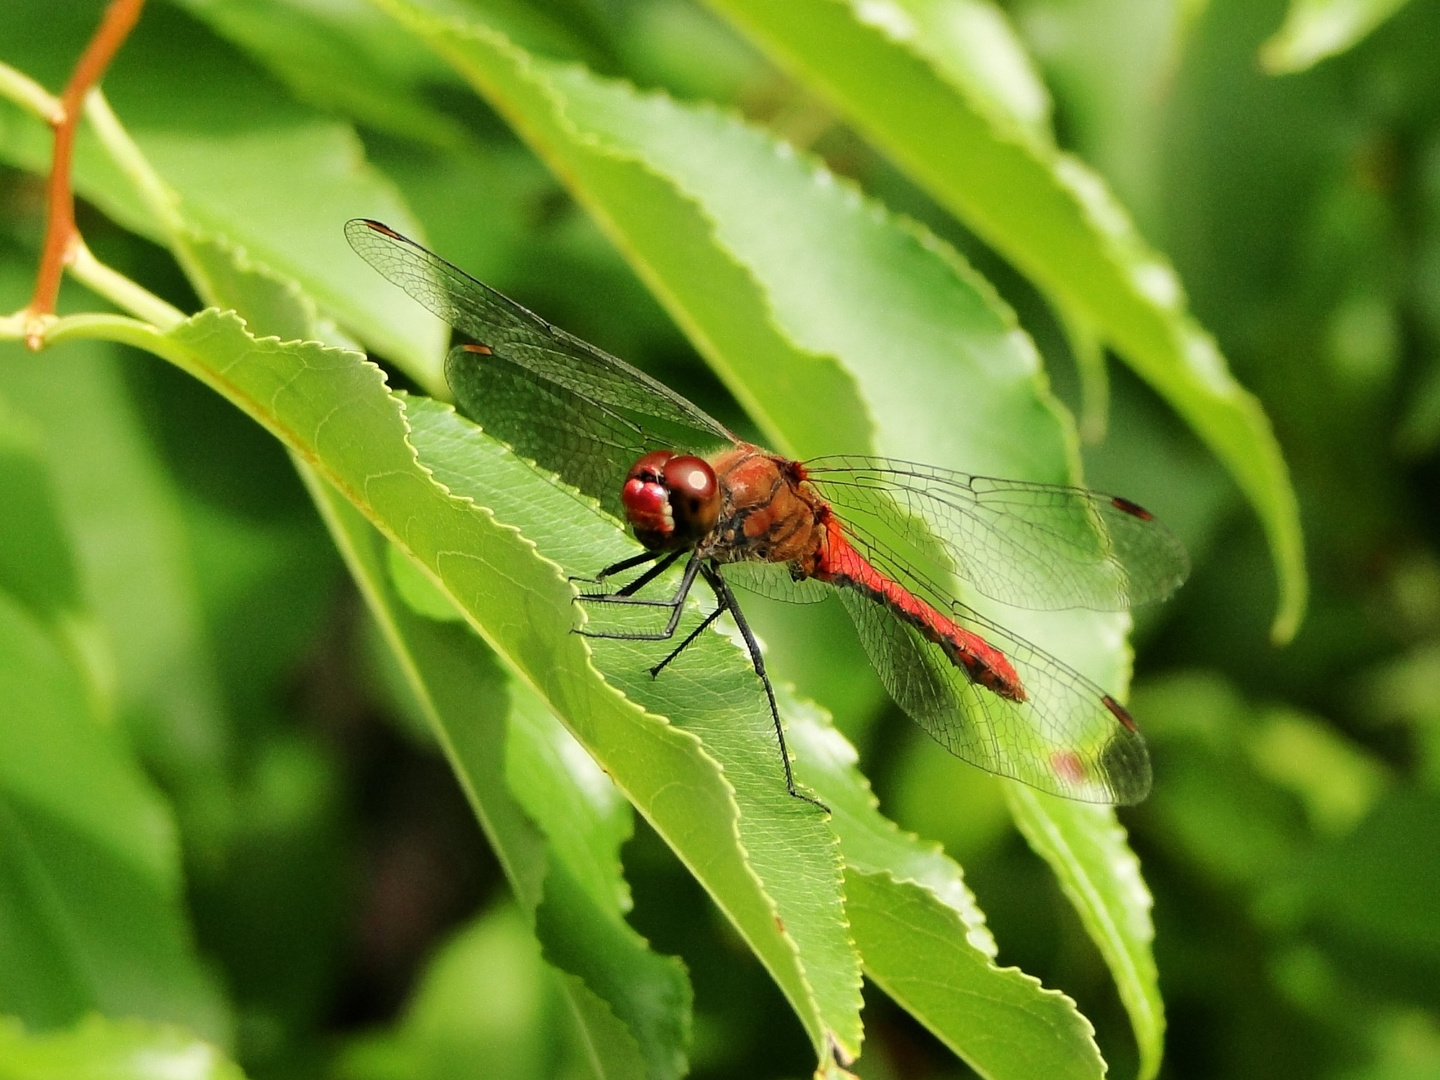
[[798, 794]]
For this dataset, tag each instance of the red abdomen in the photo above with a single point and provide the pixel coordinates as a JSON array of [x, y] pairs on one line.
[[770, 515], [841, 564]]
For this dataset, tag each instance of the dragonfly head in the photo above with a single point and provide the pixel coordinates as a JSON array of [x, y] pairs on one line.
[[672, 500]]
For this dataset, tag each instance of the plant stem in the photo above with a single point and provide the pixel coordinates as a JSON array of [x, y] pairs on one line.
[[121, 291], [90, 325], [30, 95], [157, 194], [60, 233]]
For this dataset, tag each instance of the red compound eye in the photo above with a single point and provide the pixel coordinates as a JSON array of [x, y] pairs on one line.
[[651, 467], [672, 500], [647, 506], [694, 495]]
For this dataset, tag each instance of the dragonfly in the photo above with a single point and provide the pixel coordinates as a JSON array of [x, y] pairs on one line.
[[892, 538]]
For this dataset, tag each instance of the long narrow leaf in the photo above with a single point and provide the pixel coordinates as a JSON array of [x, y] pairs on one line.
[[1050, 215]]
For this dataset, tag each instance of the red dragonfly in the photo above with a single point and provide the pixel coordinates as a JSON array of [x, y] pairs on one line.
[[889, 536]]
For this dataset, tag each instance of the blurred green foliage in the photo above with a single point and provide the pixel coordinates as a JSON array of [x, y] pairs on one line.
[[245, 740]]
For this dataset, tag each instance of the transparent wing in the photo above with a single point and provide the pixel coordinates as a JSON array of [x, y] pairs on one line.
[[1067, 738], [1066, 735], [590, 447], [556, 399], [1037, 546], [775, 581]]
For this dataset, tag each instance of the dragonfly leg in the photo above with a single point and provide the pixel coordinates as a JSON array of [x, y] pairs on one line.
[[655, 671], [650, 575], [626, 594], [727, 603], [676, 604], [615, 568]]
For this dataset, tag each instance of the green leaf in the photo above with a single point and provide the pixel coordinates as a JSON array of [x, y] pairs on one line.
[[583, 815], [853, 305], [282, 194], [1315, 29], [339, 56], [241, 161], [1230, 824], [924, 940], [1114, 66], [977, 1009], [100, 1049], [1334, 778], [669, 241], [629, 1002], [870, 842], [1087, 849], [580, 920], [610, 967], [767, 858], [420, 594], [1249, 787], [343, 56], [972, 46], [1090, 360], [480, 1012], [123, 513], [91, 909], [737, 732], [36, 564], [1054, 219], [271, 303]]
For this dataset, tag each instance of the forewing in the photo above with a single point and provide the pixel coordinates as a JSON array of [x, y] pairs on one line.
[[585, 444], [556, 399], [1064, 739], [1037, 546]]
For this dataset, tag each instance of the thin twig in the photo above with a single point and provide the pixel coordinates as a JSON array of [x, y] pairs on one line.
[[89, 325], [60, 235], [153, 191], [18, 87], [121, 291]]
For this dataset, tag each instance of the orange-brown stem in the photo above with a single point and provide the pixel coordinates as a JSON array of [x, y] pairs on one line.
[[60, 235]]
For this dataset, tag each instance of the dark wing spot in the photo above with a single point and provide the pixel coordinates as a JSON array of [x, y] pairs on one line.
[[1132, 508], [1120, 712], [384, 230]]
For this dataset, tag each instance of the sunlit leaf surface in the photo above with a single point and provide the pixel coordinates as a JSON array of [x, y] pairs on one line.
[[1049, 214], [1315, 29], [110, 1050]]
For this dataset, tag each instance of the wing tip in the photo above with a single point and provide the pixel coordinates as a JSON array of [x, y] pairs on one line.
[[1125, 763]]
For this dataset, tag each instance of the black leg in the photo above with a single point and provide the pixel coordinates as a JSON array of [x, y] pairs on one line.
[[626, 595], [651, 574], [727, 602], [676, 604], [720, 609], [654, 671], [623, 564]]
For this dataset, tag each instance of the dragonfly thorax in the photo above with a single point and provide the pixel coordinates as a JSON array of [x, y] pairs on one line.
[[671, 500]]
